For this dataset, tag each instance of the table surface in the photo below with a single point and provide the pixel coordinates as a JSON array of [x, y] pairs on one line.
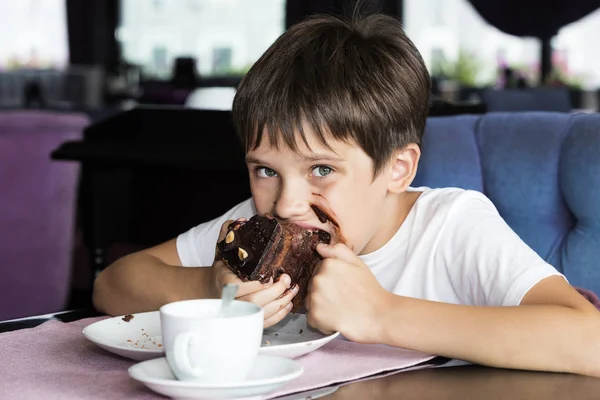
[[446, 382]]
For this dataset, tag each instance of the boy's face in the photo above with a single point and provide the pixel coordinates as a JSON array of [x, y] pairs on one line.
[[285, 183]]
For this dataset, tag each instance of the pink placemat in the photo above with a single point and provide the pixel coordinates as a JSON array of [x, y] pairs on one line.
[[55, 361], [342, 361]]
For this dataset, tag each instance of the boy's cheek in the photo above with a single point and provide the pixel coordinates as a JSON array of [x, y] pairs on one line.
[[262, 201]]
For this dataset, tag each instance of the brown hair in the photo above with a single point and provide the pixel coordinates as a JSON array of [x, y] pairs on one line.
[[358, 79]]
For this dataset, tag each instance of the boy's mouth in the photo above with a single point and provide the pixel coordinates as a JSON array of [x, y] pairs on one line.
[[325, 216], [307, 225]]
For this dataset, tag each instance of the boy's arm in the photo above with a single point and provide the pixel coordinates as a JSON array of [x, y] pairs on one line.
[[554, 329], [146, 280]]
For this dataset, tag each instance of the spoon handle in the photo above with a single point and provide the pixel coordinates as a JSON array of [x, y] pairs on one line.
[[227, 296]]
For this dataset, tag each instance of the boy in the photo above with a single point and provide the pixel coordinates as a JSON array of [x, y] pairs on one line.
[[334, 111]]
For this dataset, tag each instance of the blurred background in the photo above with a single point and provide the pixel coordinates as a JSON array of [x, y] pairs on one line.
[[91, 55], [109, 110]]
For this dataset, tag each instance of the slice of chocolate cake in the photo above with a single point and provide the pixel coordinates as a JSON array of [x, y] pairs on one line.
[[262, 248]]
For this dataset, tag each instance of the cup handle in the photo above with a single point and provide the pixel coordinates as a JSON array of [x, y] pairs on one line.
[[180, 353]]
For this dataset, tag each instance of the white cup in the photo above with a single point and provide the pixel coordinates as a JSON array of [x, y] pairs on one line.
[[203, 347]]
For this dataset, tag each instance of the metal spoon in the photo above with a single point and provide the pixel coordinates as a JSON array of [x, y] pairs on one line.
[[227, 295]]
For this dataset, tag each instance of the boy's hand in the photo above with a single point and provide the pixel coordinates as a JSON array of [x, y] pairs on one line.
[[345, 296], [268, 295]]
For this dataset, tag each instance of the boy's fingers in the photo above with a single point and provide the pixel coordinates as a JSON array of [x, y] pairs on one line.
[[338, 250], [244, 288], [270, 293], [249, 288], [278, 316], [224, 228], [275, 306]]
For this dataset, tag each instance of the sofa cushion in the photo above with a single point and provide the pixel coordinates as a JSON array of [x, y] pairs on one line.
[[541, 170], [37, 211], [450, 154], [579, 180]]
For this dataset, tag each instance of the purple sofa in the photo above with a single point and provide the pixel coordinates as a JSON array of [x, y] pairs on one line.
[[37, 211]]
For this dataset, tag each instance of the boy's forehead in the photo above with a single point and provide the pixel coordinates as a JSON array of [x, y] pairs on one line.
[[308, 146]]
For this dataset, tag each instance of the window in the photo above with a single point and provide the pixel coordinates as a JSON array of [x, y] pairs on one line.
[[576, 55], [160, 58], [221, 60], [224, 36], [463, 45], [462, 39], [34, 34]]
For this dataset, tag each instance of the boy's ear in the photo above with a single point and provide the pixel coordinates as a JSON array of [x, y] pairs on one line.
[[404, 167]]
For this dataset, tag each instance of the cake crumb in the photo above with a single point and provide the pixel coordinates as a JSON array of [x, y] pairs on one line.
[[268, 342], [127, 318]]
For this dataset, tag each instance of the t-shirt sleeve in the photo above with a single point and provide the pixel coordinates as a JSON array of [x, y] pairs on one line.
[[487, 262], [196, 247]]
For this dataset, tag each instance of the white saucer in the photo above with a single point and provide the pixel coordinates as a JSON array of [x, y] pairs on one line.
[[268, 374], [140, 338]]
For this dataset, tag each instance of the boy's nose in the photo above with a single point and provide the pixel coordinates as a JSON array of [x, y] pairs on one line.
[[291, 203]]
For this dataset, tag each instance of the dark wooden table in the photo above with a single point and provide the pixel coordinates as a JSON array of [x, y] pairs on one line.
[[444, 382], [32, 322], [472, 382]]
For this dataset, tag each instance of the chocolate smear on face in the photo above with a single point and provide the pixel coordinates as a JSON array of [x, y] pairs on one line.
[[327, 216], [323, 215], [320, 214]]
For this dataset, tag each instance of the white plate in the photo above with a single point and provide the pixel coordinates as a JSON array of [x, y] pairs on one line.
[[140, 338], [293, 338], [267, 375]]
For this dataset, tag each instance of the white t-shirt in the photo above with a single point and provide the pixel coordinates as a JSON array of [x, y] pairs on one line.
[[453, 247]]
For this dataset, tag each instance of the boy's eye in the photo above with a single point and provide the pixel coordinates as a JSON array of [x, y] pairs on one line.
[[321, 170], [265, 172]]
